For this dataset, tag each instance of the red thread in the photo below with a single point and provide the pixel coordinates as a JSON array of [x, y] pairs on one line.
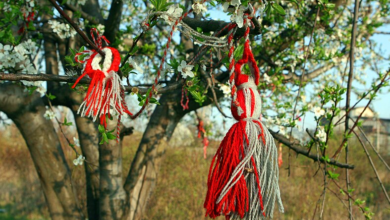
[[184, 94], [231, 151]]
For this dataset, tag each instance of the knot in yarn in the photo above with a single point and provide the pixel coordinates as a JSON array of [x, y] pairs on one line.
[[247, 95], [249, 101]]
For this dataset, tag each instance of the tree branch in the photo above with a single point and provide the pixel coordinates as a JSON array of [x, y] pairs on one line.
[[213, 26], [86, 16], [299, 150], [72, 79], [113, 21]]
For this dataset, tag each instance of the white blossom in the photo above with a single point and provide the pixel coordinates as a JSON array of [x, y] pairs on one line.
[[49, 114], [6, 7], [225, 90], [282, 130], [267, 79], [278, 62], [61, 29], [135, 65], [303, 97], [41, 90], [4, 50], [100, 28], [79, 160], [235, 2], [185, 69], [172, 14], [81, 2], [321, 134], [318, 111], [225, 6], [270, 120], [199, 7], [238, 17], [76, 141]]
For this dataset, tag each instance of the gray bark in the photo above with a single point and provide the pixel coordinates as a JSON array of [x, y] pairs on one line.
[[143, 172], [112, 195], [27, 112]]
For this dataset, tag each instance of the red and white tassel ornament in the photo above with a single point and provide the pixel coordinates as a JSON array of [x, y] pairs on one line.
[[244, 173], [105, 92]]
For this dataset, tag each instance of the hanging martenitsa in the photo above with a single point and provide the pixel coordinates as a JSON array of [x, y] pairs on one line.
[[105, 93], [244, 173]]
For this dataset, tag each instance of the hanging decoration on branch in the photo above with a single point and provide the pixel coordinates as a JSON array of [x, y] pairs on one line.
[[105, 93], [203, 135], [244, 173]]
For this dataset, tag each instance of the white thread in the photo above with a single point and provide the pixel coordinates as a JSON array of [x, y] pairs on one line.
[[110, 94]]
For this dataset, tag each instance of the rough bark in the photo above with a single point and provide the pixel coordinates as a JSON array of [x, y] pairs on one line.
[[89, 139], [143, 172], [112, 195], [27, 112], [88, 135]]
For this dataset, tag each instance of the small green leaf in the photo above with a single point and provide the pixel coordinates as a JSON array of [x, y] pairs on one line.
[[104, 138], [330, 5], [359, 202], [279, 9], [50, 96], [66, 123], [333, 175], [326, 158], [111, 136], [31, 89], [101, 129]]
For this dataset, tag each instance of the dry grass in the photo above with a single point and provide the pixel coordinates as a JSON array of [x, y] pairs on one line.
[[181, 184]]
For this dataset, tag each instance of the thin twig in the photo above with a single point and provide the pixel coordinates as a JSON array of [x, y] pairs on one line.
[[76, 27], [360, 115], [377, 153], [349, 86], [84, 15], [337, 196], [215, 99], [301, 80], [324, 193], [299, 150], [373, 166]]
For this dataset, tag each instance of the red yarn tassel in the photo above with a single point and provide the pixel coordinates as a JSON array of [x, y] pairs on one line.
[[228, 156], [105, 91], [243, 176]]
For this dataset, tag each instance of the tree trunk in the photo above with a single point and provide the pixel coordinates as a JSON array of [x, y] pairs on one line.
[[89, 139], [143, 172], [112, 195], [27, 112]]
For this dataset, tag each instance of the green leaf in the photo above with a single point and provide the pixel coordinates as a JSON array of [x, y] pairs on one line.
[[212, 3], [330, 5], [111, 136], [333, 175], [66, 123], [50, 96], [101, 129], [359, 202], [154, 101], [278, 9], [326, 158], [31, 89], [104, 139]]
